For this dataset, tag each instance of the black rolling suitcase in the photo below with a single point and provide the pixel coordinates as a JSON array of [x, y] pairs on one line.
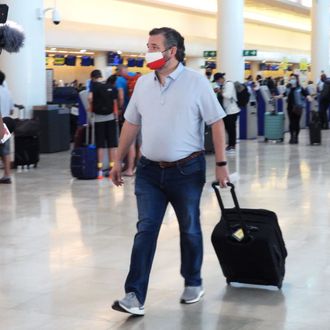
[[249, 244], [315, 128], [27, 143]]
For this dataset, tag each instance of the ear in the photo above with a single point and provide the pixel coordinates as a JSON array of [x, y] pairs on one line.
[[174, 50]]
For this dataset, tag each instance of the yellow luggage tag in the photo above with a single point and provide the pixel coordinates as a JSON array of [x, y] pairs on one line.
[[238, 234]]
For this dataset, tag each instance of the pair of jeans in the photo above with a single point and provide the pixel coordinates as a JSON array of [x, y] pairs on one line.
[[155, 187]]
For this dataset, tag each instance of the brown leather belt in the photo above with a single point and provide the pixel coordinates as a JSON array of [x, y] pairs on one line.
[[180, 161]]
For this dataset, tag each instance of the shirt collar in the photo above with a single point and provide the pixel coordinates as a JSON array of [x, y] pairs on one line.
[[175, 74]]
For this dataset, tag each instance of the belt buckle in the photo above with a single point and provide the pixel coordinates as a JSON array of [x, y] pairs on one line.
[[162, 165]]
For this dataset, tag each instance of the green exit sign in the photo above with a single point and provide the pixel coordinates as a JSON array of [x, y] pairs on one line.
[[250, 52], [210, 53]]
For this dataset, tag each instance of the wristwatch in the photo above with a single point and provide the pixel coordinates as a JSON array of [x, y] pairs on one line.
[[223, 163]]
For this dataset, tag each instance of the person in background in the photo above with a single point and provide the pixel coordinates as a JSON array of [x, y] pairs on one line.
[[103, 103], [208, 74], [123, 99], [231, 108], [295, 98], [320, 83], [251, 86], [323, 89], [6, 106], [171, 107]]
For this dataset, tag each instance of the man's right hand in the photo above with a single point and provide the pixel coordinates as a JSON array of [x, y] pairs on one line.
[[116, 174]]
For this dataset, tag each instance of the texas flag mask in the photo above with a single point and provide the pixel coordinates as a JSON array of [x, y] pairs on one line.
[[155, 60]]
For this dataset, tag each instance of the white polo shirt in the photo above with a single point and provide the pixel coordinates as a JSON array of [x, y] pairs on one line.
[[172, 116]]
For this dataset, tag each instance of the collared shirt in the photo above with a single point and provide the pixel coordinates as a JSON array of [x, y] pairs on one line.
[[172, 115]]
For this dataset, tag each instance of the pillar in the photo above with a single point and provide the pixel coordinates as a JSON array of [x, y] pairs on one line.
[[320, 38], [26, 70], [230, 39]]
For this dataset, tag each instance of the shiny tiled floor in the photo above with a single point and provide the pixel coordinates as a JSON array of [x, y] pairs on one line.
[[65, 246]]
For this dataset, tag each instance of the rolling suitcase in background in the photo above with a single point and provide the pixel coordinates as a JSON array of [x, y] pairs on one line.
[[315, 128], [249, 244], [27, 142], [84, 158], [274, 126]]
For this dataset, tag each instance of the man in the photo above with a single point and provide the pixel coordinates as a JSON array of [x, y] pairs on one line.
[[229, 99], [170, 106], [103, 103], [6, 106], [122, 85], [324, 100]]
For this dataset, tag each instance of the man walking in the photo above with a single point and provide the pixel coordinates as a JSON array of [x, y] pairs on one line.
[[171, 107], [6, 106]]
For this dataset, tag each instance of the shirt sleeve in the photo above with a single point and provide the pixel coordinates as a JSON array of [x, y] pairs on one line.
[[132, 114], [229, 91], [120, 83], [210, 108]]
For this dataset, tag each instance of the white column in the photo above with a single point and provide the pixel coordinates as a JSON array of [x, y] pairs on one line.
[[320, 38], [26, 71], [100, 63], [230, 42]]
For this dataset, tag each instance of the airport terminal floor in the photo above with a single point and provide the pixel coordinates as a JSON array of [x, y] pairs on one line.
[[65, 247]]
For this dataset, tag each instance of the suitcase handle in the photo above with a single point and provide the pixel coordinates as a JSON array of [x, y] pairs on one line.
[[215, 186]]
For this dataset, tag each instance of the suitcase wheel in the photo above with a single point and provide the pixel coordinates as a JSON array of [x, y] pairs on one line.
[[266, 140], [228, 282]]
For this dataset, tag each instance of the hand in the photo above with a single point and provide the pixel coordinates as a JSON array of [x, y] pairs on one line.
[[222, 175], [309, 98], [2, 130], [116, 174]]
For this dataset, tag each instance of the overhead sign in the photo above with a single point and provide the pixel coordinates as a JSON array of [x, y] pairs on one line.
[[284, 64], [209, 53], [303, 65], [250, 52]]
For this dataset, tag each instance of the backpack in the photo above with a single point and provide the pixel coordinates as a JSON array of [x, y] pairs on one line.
[[103, 97], [242, 94], [325, 92]]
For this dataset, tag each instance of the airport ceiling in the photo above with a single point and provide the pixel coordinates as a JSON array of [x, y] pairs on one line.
[[210, 6]]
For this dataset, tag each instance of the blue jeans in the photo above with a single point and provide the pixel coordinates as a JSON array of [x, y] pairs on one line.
[[155, 187]]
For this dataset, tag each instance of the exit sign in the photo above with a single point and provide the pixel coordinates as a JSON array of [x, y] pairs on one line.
[[249, 52], [209, 53]]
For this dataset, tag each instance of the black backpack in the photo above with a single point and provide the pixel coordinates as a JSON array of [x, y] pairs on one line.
[[103, 97], [325, 92], [242, 94]]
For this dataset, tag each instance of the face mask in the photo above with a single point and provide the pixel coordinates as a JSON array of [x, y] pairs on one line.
[[293, 82], [155, 60]]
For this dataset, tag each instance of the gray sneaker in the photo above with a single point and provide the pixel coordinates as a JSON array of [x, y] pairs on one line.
[[192, 294], [129, 304]]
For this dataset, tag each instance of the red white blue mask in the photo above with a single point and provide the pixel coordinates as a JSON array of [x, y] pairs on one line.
[[155, 60]]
